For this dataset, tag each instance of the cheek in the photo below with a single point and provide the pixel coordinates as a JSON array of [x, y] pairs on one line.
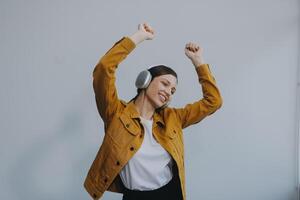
[[154, 87], [160, 86], [152, 90]]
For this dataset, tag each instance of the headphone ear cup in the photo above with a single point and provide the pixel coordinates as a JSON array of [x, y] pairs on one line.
[[143, 79]]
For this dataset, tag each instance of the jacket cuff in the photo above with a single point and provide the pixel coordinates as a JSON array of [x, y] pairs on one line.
[[127, 43], [203, 69]]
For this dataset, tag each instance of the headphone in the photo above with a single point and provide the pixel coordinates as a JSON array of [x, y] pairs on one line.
[[143, 81]]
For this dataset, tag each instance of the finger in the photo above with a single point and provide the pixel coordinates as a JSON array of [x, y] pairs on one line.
[[142, 27], [188, 45], [193, 46], [189, 49], [150, 29], [145, 25], [196, 47]]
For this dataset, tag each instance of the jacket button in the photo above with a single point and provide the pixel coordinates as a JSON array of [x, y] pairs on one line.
[[127, 125], [94, 196], [141, 135], [174, 131], [131, 148], [105, 180], [118, 163]]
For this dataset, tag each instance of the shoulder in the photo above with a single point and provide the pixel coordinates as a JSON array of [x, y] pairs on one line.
[[169, 114]]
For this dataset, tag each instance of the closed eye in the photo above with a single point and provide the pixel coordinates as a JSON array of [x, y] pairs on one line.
[[165, 83]]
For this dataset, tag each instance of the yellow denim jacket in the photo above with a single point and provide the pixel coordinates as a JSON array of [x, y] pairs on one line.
[[123, 130]]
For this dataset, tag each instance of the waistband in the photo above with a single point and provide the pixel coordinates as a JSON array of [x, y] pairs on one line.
[[165, 187]]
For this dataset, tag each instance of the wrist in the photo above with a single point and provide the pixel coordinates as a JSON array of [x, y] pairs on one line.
[[137, 38], [198, 61]]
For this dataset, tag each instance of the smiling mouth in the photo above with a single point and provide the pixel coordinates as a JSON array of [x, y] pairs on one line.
[[163, 98]]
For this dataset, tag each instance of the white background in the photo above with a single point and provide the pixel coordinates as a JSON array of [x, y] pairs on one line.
[[50, 128]]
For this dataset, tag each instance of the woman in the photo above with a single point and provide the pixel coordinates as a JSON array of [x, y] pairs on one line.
[[142, 153]]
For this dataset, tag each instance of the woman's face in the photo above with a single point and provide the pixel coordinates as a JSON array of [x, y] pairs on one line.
[[161, 90]]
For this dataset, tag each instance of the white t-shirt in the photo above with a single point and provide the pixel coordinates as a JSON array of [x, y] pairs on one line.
[[151, 166]]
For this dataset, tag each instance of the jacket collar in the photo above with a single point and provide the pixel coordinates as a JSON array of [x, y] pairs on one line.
[[131, 111], [158, 119]]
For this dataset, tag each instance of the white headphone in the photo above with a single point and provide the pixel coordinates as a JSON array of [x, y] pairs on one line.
[[143, 79]]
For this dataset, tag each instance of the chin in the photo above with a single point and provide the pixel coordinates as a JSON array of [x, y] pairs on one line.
[[159, 105]]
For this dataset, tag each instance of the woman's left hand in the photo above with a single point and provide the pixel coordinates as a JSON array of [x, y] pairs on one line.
[[194, 52]]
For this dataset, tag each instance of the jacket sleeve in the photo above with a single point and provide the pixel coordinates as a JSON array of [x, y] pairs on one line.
[[104, 78], [211, 101]]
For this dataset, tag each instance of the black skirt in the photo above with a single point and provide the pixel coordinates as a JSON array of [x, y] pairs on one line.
[[170, 191]]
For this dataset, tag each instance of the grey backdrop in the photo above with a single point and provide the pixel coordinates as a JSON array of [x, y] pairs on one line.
[[50, 128]]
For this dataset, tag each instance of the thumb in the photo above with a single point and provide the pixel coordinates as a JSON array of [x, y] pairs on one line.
[[141, 27]]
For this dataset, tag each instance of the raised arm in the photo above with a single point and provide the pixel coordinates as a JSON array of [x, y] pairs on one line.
[[211, 101], [104, 73]]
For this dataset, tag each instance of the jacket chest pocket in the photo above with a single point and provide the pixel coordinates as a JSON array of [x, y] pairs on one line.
[[174, 133], [123, 130], [129, 124]]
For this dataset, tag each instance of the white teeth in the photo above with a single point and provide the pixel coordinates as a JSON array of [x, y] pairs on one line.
[[164, 99]]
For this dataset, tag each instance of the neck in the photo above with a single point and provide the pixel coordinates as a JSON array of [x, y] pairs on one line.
[[144, 106]]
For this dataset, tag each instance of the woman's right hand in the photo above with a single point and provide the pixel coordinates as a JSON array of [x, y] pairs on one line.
[[145, 32]]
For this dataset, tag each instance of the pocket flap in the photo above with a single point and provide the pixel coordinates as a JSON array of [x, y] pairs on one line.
[[129, 124], [173, 133]]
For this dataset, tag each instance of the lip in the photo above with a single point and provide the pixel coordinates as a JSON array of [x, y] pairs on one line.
[[163, 97]]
